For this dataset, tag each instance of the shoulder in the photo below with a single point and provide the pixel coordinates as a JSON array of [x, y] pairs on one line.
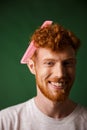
[[15, 111], [81, 113], [16, 108], [84, 112], [15, 116]]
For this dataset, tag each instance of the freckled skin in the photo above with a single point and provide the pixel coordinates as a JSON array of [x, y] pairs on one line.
[[56, 67]]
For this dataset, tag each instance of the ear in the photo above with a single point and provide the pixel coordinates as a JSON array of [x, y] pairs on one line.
[[31, 66]]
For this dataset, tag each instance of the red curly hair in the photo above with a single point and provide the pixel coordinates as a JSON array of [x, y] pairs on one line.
[[55, 37]]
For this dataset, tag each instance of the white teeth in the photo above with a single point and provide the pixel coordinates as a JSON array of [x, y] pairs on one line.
[[57, 84]]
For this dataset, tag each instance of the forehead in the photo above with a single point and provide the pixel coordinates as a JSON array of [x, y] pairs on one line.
[[45, 53]]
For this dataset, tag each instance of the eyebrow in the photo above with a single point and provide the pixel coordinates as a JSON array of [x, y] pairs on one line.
[[48, 59]]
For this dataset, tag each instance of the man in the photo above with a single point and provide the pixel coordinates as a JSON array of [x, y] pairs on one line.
[[51, 57]]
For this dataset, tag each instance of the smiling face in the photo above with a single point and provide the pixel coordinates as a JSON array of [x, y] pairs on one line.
[[55, 72]]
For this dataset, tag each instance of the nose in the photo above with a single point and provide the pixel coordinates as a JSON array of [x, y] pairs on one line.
[[59, 70]]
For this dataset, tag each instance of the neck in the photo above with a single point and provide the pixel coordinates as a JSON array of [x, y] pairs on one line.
[[55, 109]]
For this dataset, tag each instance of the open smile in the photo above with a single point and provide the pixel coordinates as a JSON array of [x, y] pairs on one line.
[[57, 85]]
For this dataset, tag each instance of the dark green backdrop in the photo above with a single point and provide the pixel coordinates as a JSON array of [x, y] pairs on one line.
[[18, 20]]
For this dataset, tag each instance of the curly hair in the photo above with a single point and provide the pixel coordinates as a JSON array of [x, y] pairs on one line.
[[56, 37]]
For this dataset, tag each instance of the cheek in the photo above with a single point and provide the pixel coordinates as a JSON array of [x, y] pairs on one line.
[[42, 74], [72, 73]]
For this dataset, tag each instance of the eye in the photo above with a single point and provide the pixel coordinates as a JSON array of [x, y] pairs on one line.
[[69, 63], [49, 63]]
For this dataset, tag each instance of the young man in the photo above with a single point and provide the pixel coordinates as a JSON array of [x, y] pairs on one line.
[[51, 57]]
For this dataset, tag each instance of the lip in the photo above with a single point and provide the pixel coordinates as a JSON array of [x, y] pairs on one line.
[[56, 85]]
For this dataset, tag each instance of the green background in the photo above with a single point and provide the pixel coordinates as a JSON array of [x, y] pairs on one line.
[[18, 20]]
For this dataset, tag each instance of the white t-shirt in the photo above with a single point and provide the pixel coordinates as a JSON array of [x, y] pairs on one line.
[[27, 116]]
